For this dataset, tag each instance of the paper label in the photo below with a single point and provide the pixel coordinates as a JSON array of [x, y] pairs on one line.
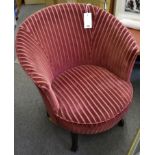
[[87, 20]]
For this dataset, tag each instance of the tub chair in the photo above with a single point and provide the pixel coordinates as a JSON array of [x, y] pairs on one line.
[[82, 74]]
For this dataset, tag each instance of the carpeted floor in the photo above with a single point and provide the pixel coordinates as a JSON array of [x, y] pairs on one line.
[[36, 135]]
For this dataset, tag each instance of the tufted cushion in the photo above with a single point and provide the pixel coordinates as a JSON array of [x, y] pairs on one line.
[[89, 96]]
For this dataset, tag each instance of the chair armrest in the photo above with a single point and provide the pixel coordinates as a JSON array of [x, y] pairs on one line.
[[125, 51], [115, 46], [35, 62]]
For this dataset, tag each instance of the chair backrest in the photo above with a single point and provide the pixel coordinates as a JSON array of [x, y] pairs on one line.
[[59, 31]]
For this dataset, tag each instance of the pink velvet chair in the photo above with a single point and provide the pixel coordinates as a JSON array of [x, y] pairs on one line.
[[82, 74]]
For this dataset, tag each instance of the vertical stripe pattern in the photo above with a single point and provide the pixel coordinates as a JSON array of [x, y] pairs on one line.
[[113, 46], [52, 42]]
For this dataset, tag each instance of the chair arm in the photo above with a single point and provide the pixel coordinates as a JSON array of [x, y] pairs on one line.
[[125, 51], [117, 49], [35, 62]]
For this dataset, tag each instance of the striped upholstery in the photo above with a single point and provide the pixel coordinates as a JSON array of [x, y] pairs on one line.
[[59, 55], [90, 95]]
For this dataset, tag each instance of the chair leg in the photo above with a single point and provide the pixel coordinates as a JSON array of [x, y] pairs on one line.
[[47, 114], [121, 123], [74, 146]]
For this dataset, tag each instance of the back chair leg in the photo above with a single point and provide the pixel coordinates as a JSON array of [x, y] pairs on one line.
[[74, 146], [47, 114], [121, 123]]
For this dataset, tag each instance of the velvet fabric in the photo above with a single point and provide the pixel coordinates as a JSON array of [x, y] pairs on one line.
[[82, 74]]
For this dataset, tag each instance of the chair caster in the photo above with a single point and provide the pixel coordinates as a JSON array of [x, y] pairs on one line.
[[121, 123], [74, 146]]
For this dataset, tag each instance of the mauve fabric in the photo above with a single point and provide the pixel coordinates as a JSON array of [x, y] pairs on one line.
[[82, 74]]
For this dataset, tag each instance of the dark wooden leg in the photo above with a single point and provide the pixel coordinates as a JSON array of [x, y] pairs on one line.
[[74, 142], [47, 114], [121, 123]]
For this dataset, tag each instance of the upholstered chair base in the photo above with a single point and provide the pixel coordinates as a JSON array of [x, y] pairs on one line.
[[74, 136]]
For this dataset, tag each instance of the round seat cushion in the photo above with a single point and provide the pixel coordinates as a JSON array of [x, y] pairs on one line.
[[91, 99]]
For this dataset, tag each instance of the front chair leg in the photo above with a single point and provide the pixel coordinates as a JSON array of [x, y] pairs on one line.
[[74, 137]]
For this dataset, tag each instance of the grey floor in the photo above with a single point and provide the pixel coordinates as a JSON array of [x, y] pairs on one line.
[[35, 135]]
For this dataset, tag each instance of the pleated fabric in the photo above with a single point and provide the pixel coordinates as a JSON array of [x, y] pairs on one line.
[[90, 95], [52, 43], [113, 45]]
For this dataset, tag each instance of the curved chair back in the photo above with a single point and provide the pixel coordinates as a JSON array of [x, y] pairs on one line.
[[62, 42]]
